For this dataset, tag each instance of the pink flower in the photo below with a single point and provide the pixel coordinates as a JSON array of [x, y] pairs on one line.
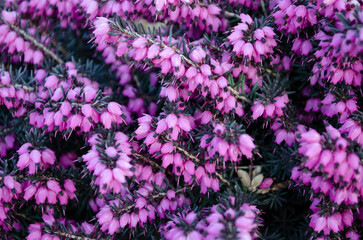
[[124, 220], [172, 93], [153, 51], [184, 124], [246, 145], [106, 119], [69, 185], [41, 195], [205, 70], [266, 183], [318, 223], [114, 108], [101, 26], [29, 192], [9, 182], [54, 186], [10, 17], [51, 81], [65, 108], [38, 57], [197, 55], [306, 46], [258, 110]]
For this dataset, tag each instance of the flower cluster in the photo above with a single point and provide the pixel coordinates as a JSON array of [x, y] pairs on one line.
[[9, 191], [272, 109], [226, 220], [69, 106], [335, 222], [233, 149], [15, 44], [339, 52], [148, 51], [334, 171], [15, 96], [49, 191], [34, 158], [251, 41], [193, 14], [51, 228], [109, 160], [353, 128], [286, 130], [293, 17], [149, 199]]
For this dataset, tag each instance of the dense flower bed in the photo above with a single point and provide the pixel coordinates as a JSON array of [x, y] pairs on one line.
[[165, 119]]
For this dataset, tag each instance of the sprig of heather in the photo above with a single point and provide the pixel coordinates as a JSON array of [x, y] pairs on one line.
[[218, 144], [149, 198], [294, 17], [198, 16], [62, 103], [17, 40], [229, 219], [9, 193], [109, 161], [338, 56], [332, 169], [52, 228], [252, 40], [151, 52]]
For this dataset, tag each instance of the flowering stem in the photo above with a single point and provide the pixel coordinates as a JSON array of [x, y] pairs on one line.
[[24, 87], [28, 37], [210, 45], [71, 236], [147, 160], [73, 104], [161, 44], [184, 58]]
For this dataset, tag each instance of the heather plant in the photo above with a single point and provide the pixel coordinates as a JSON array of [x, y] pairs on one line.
[[164, 119]]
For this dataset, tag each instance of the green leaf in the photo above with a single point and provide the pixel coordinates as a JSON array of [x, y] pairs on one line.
[[252, 94], [230, 80], [241, 83], [343, 20]]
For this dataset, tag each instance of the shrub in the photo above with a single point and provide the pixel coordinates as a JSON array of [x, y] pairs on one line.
[[174, 120]]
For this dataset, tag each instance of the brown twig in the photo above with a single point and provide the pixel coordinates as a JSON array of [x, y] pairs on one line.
[[24, 87], [275, 187], [230, 14], [65, 52], [72, 236], [238, 95], [147, 160], [24, 216]]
